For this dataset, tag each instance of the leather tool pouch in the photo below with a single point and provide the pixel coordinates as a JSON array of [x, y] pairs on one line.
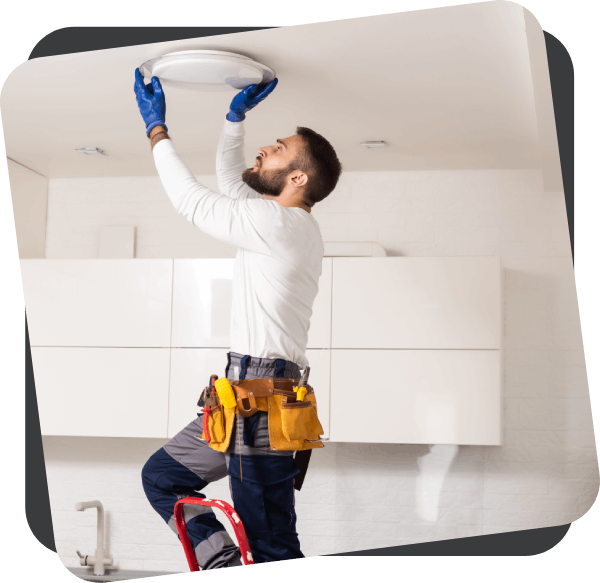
[[299, 420], [293, 425]]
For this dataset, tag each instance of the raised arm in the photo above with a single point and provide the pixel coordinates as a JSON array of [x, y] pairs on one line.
[[230, 151], [246, 223], [231, 163]]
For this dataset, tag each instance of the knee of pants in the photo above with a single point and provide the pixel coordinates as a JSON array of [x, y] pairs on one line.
[[150, 473], [152, 469], [162, 473]]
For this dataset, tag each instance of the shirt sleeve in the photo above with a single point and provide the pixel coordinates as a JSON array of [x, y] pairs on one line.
[[247, 223], [231, 163]]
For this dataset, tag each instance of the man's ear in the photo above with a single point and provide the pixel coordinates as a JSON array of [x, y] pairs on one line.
[[299, 179]]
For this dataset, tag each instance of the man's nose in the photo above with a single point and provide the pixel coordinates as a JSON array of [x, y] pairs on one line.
[[266, 150]]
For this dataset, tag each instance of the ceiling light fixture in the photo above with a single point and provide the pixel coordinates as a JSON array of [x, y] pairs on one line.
[[374, 145], [206, 70], [91, 151]]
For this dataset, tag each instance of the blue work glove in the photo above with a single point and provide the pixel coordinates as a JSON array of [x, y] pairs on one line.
[[151, 101], [248, 98]]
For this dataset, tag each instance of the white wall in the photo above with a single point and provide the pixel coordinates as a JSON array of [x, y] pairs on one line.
[[368, 496], [29, 192], [78, 207]]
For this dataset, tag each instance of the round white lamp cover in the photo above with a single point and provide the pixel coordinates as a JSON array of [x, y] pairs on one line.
[[204, 70]]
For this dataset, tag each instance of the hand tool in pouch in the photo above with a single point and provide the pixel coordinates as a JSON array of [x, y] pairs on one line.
[[208, 391], [300, 390]]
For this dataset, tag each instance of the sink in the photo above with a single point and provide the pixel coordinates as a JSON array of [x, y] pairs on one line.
[[87, 574]]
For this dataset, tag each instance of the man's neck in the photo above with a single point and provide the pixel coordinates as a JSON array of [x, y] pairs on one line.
[[287, 203]]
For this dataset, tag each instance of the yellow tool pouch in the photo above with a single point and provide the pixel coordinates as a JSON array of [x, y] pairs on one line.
[[293, 425], [299, 420], [216, 425]]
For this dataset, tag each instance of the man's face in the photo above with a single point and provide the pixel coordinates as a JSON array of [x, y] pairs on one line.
[[273, 166]]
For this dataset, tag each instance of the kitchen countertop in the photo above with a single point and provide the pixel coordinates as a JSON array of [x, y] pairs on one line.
[[87, 574]]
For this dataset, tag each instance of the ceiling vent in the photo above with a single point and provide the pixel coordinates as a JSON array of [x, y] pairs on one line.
[[374, 145], [205, 70]]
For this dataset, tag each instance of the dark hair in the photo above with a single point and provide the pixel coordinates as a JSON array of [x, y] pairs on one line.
[[321, 163]]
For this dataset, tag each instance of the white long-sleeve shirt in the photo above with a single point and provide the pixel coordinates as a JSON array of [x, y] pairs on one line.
[[279, 260]]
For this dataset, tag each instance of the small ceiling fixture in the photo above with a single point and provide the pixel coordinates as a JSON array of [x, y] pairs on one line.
[[206, 70], [374, 145], [91, 151]]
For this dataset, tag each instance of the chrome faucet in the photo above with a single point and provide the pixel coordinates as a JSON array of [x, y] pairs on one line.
[[99, 560]]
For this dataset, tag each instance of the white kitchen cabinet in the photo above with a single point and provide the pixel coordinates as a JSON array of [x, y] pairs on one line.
[[202, 291], [191, 369], [417, 302], [202, 294], [109, 392], [101, 330], [103, 302], [416, 396]]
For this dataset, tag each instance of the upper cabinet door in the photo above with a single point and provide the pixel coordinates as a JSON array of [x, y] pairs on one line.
[[104, 302], [202, 292], [319, 333], [417, 302]]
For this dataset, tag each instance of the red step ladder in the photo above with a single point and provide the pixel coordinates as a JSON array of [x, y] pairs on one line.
[[231, 514]]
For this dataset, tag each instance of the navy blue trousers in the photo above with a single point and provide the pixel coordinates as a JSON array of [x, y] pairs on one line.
[[262, 490]]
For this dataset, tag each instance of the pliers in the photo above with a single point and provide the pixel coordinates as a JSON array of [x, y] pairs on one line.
[[300, 390]]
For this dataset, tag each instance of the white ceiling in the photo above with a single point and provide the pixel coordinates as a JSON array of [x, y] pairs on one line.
[[447, 88]]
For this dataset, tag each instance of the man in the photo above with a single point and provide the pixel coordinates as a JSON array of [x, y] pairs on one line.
[[266, 211]]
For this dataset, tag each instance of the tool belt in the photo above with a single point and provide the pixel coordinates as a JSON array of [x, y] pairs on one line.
[[293, 425]]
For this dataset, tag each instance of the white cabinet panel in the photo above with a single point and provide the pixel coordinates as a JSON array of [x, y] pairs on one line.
[[417, 302], [191, 369], [416, 396], [103, 302], [319, 333], [202, 291], [109, 392], [202, 294]]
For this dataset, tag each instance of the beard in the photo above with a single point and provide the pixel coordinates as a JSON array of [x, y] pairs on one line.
[[270, 182]]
